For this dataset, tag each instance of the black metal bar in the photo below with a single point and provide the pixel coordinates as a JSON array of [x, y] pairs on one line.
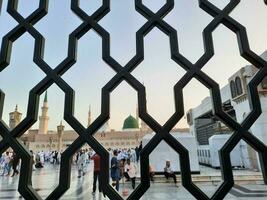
[[123, 73]]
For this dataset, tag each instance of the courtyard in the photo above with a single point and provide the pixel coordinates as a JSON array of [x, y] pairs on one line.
[[46, 179]]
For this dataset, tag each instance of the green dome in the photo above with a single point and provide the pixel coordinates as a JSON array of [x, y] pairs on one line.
[[130, 123]]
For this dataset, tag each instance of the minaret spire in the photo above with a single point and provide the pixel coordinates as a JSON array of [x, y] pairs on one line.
[[89, 117], [43, 119], [45, 98]]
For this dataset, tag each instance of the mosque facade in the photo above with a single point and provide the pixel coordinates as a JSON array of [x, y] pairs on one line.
[[43, 139]]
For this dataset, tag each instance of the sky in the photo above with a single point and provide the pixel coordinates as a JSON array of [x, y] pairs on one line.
[[158, 72]]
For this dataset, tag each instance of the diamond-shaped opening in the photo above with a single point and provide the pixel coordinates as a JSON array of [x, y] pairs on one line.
[[7, 22], [189, 21], [85, 166], [47, 139], [201, 100], [87, 77], [247, 172], [55, 28], [200, 122], [124, 132], [230, 71], [122, 29], [244, 13], [90, 6], [13, 76], [164, 166], [220, 4], [159, 75], [25, 9], [154, 6]]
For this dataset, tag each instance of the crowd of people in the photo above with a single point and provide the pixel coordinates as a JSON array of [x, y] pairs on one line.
[[9, 162], [123, 165], [123, 168]]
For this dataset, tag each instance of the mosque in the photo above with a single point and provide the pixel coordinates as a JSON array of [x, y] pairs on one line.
[[208, 131], [43, 139]]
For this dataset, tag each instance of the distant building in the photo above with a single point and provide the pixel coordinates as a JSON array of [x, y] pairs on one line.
[[203, 124], [14, 118], [42, 139]]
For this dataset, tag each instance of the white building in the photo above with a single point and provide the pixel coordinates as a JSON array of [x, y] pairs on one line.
[[163, 152], [234, 96]]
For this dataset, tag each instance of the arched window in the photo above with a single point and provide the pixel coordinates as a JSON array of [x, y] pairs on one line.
[[238, 84], [233, 89]]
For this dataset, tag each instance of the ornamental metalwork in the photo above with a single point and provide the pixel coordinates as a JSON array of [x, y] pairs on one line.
[[123, 73]]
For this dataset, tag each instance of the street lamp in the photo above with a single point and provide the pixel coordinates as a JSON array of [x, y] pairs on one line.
[[50, 142]]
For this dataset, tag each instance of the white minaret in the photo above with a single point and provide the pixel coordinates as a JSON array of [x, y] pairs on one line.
[[43, 119], [89, 117]]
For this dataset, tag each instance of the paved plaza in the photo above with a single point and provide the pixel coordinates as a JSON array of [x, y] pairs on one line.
[[46, 179]]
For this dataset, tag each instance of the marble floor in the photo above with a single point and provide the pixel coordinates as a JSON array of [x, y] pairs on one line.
[[46, 179]]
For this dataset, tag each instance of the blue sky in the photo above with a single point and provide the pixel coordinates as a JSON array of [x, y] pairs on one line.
[[158, 72]]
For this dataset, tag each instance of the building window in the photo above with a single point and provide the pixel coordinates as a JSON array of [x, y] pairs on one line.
[[233, 89], [189, 118], [239, 89], [264, 83]]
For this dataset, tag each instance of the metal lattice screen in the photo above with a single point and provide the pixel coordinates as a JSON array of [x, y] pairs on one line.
[[123, 73]]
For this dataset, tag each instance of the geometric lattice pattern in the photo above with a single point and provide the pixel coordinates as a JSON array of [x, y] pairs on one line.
[[123, 73]]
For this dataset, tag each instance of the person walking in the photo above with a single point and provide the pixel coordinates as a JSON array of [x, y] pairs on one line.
[[96, 159], [115, 171], [33, 160], [6, 167], [81, 164], [130, 172], [15, 163]]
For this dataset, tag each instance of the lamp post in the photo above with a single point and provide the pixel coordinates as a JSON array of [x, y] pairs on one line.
[[60, 130], [50, 143]]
